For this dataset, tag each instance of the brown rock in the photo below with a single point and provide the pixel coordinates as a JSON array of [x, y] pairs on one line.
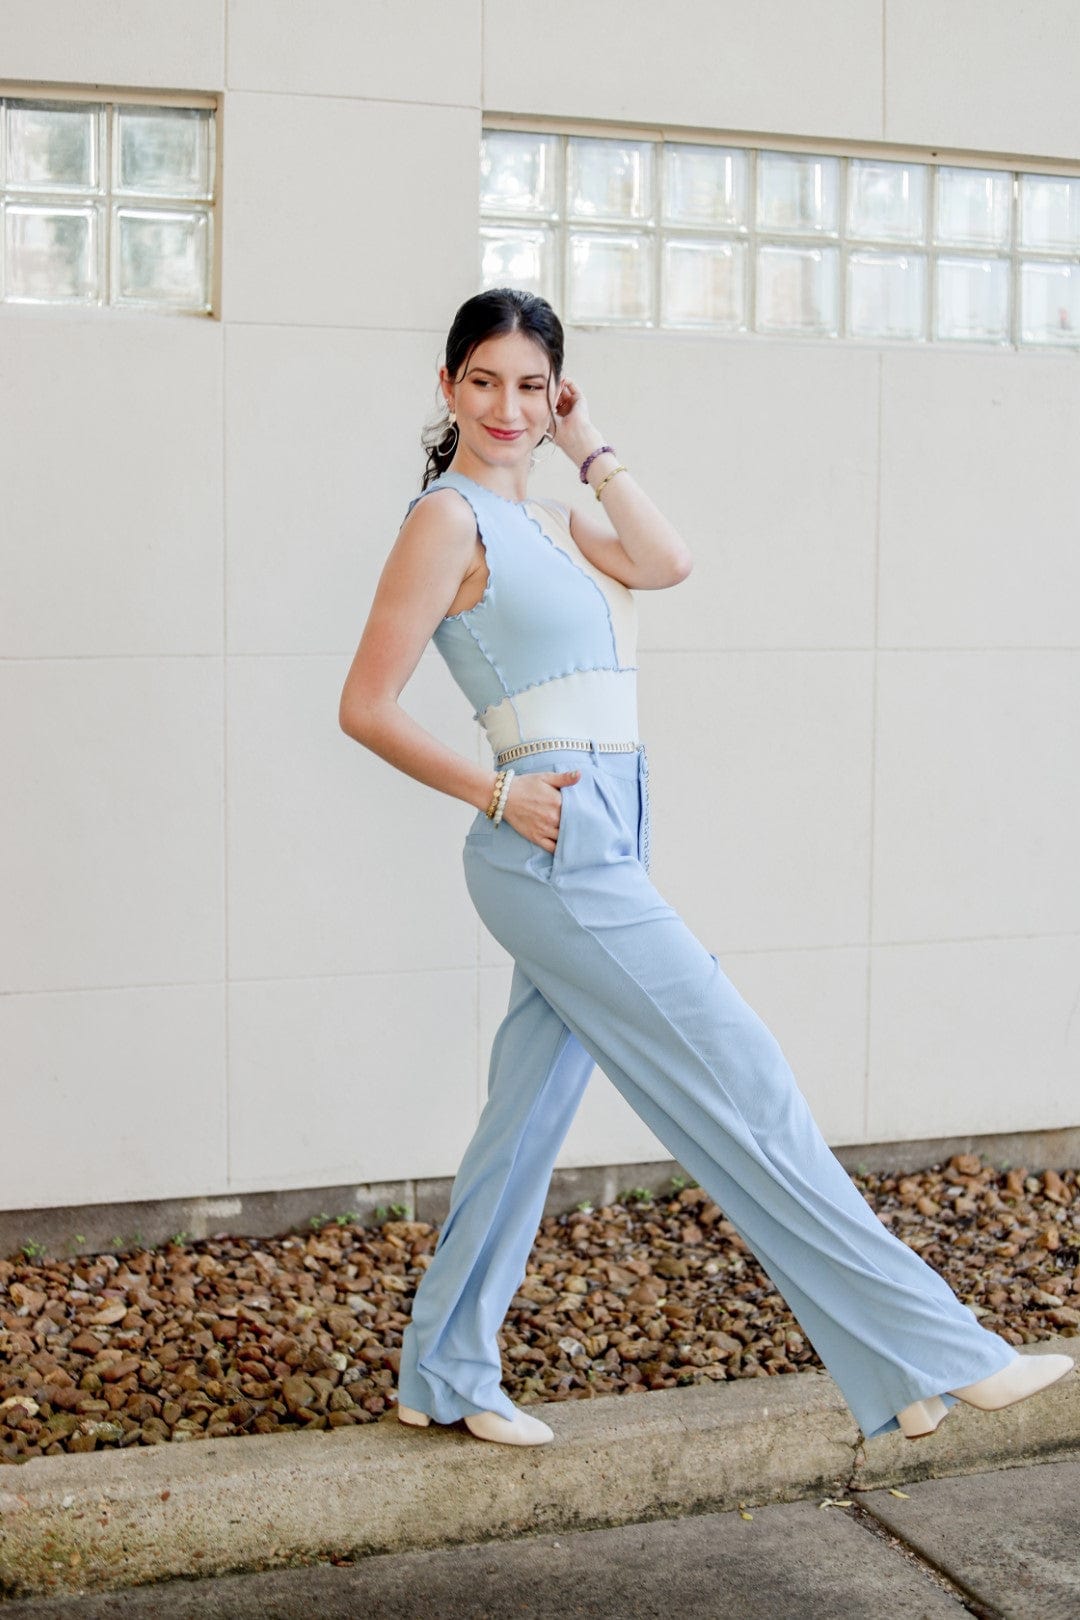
[[298, 1394]]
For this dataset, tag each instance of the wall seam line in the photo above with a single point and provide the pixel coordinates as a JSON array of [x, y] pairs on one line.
[[873, 759]]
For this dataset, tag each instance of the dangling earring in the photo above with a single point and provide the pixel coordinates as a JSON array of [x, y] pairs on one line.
[[549, 438], [448, 450]]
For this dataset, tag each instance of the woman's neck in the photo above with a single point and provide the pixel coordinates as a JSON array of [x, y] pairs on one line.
[[511, 481]]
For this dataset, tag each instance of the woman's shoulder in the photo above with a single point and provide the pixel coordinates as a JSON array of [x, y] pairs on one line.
[[441, 504]]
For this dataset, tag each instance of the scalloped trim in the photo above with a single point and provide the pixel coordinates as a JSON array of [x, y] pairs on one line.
[[566, 557], [576, 669], [464, 617]]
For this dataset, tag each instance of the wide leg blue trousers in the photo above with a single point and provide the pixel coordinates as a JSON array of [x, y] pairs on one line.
[[607, 972]]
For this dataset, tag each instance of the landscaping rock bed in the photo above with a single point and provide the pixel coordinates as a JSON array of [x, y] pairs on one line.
[[234, 1336]]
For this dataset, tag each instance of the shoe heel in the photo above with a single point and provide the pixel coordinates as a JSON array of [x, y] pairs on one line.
[[408, 1414], [922, 1417]]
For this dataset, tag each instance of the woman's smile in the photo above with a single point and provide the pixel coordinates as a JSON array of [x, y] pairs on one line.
[[504, 433]]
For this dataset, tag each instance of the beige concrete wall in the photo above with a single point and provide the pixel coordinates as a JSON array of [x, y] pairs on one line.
[[239, 954]]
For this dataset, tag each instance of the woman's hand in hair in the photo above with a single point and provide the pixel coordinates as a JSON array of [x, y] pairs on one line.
[[574, 431], [534, 804]]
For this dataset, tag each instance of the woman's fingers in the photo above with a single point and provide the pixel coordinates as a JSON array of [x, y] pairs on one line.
[[532, 810]]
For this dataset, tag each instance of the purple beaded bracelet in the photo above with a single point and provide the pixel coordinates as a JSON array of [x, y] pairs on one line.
[[587, 463]]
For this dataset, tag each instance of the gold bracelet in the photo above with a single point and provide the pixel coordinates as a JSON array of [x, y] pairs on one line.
[[490, 811], [607, 479]]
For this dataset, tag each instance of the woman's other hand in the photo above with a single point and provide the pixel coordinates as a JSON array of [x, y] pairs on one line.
[[534, 804], [574, 431]]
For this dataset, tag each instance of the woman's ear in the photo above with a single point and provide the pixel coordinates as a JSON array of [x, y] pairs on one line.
[[446, 387]]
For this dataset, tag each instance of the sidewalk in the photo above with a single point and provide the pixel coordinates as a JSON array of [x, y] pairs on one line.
[[1001, 1546], [100, 1521]]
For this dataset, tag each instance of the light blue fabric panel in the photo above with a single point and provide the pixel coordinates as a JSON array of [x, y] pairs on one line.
[[540, 617]]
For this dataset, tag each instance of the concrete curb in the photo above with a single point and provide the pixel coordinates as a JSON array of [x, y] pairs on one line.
[[103, 1521]]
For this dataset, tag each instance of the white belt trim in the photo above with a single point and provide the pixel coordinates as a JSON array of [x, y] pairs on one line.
[[543, 744]]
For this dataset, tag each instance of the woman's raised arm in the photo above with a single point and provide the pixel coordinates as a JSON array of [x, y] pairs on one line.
[[631, 539]]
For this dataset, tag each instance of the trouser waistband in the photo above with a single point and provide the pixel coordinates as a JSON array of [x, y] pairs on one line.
[[543, 745]]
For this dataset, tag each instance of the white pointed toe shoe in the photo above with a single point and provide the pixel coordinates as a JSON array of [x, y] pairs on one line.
[[1024, 1376], [922, 1417], [521, 1430]]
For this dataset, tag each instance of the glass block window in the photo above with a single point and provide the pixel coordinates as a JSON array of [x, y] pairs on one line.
[[106, 203], [621, 231]]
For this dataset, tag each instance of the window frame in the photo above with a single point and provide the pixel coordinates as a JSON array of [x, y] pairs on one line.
[[108, 97], [932, 159]]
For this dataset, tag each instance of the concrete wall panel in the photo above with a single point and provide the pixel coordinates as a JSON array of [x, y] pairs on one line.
[[815, 66]]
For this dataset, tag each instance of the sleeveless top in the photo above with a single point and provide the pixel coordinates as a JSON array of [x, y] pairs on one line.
[[550, 648]]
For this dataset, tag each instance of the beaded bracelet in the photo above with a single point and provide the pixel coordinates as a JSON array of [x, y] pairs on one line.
[[587, 463], [620, 468], [508, 777]]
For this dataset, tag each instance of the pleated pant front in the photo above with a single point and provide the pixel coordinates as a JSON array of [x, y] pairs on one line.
[[606, 972]]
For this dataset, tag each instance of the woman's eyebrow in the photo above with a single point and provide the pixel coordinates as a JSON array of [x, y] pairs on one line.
[[532, 376]]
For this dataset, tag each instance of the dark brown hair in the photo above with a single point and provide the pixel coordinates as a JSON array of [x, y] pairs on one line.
[[486, 315]]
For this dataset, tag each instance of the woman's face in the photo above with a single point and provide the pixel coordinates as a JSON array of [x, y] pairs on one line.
[[503, 399]]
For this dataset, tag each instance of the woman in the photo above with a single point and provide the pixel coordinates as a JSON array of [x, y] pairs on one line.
[[531, 605]]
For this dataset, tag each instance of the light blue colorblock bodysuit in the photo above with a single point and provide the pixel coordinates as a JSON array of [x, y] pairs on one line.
[[550, 648], [606, 973]]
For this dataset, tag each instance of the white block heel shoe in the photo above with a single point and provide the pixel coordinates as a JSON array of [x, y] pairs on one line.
[[521, 1430], [407, 1414], [1024, 1376], [922, 1417]]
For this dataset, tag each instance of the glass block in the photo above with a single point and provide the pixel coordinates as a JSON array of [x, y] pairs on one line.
[[610, 278], [705, 284], [53, 146], [705, 185], [1050, 212], [972, 207], [518, 258], [610, 179], [886, 295], [52, 254], [517, 173], [163, 151], [798, 192], [886, 201], [1050, 303], [162, 258], [797, 289], [972, 300]]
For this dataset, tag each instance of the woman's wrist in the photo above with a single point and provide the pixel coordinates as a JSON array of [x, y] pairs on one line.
[[583, 443], [598, 465], [486, 790]]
